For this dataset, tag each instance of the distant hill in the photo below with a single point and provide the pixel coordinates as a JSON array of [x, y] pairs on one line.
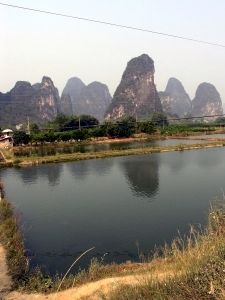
[[166, 102], [207, 101], [92, 99], [136, 93], [180, 101], [175, 100], [40, 102], [73, 88]]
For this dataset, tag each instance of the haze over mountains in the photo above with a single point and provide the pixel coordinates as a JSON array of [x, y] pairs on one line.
[[92, 99], [135, 95], [175, 100]]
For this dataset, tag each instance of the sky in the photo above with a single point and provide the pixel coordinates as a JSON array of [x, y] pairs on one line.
[[35, 44]]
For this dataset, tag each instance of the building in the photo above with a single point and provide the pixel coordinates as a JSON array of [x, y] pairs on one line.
[[6, 138]]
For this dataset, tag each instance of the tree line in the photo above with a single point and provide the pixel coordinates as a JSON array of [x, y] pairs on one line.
[[65, 128]]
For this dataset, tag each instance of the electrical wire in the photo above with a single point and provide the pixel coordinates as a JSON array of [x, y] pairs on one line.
[[113, 24]]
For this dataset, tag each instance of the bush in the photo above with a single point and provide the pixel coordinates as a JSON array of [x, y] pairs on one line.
[[20, 137]]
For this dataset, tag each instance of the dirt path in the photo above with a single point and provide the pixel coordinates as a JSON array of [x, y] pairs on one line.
[[92, 291], [5, 282]]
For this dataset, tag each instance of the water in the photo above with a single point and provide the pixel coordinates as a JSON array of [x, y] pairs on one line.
[[43, 151], [112, 204]]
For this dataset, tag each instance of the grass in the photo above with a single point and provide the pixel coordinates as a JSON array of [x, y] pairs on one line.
[[191, 267]]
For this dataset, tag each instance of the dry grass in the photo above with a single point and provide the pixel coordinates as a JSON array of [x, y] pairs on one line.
[[190, 268]]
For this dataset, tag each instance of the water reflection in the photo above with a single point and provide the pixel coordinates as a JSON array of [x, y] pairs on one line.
[[28, 175], [52, 173], [176, 161], [203, 159], [32, 174], [142, 175], [80, 170]]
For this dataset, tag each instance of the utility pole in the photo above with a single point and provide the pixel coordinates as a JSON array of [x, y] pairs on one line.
[[28, 125], [136, 123], [79, 122]]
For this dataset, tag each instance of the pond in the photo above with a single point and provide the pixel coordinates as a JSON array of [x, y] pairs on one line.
[[121, 206], [43, 151]]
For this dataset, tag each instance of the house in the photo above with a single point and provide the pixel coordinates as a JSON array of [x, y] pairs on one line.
[[6, 139]]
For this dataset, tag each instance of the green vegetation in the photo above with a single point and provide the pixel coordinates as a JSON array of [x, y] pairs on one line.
[[220, 121], [66, 128], [34, 128], [20, 137], [160, 119], [64, 122], [186, 129]]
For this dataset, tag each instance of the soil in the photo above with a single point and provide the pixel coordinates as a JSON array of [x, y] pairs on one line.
[[5, 281]]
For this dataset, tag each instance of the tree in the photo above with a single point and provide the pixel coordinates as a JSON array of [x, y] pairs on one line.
[[88, 121], [34, 128], [60, 121], [65, 136], [98, 131], [50, 136], [20, 137], [220, 120], [37, 138], [80, 134], [124, 128], [146, 127], [160, 119], [63, 122]]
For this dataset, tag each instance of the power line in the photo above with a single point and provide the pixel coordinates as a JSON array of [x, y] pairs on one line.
[[113, 24]]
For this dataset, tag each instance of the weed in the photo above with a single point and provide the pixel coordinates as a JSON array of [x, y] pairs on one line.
[[17, 161]]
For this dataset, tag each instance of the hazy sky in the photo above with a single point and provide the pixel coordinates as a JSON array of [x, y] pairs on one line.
[[34, 44]]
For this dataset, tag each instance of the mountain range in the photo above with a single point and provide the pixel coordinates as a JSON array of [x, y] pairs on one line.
[[175, 100], [135, 95]]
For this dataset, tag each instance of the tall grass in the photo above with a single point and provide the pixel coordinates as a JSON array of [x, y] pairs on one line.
[[193, 267]]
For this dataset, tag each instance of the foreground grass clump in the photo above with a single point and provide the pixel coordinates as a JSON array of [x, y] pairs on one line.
[[190, 268]]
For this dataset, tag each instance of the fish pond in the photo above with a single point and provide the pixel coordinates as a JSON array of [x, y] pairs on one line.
[[122, 206]]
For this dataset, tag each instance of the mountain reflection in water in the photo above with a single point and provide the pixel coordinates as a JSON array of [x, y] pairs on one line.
[[142, 175]]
